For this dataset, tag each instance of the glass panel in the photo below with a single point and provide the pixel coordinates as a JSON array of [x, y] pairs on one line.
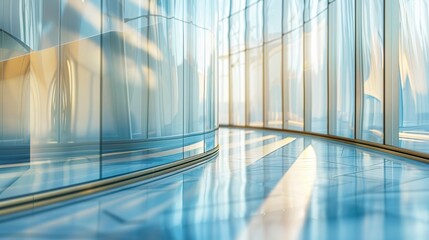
[[45, 16], [293, 76], [165, 86], [15, 107], [238, 89], [237, 32], [190, 10], [135, 63], [223, 37], [293, 15], [224, 83], [194, 90], [210, 106], [44, 110], [313, 8], [15, 124], [273, 81], [251, 2], [209, 73], [414, 74], [224, 8], [254, 74], [200, 13], [273, 19], [15, 31], [115, 109], [237, 5], [115, 13], [79, 95], [80, 75], [342, 68], [80, 19], [315, 67], [110, 81], [372, 67], [254, 25]]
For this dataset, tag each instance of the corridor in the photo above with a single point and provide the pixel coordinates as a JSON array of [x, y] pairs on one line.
[[263, 185]]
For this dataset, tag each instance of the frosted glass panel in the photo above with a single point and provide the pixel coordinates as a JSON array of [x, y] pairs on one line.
[[224, 90], [414, 75], [194, 80], [15, 99], [273, 82], [210, 82], [254, 25], [165, 87], [44, 79], [80, 91], [223, 37], [80, 19], [332, 50], [316, 94], [342, 68], [237, 5], [237, 64], [254, 68], [273, 19], [237, 32], [293, 14], [223, 8], [372, 62], [293, 77], [98, 88], [313, 8]]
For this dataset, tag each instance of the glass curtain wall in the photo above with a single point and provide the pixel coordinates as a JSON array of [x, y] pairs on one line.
[[99, 88], [412, 62], [350, 69]]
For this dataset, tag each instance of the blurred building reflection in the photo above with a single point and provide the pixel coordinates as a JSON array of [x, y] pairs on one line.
[[115, 85]]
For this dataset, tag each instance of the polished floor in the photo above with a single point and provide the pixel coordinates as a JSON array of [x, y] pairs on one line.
[[263, 185]]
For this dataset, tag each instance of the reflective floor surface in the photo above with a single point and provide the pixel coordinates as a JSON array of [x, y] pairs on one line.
[[263, 185]]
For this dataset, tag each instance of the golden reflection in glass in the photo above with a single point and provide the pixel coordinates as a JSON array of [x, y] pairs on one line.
[[44, 106], [80, 91], [15, 87]]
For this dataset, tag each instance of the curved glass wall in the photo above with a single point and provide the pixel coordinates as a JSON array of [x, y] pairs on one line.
[[350, 69], [92, 89]]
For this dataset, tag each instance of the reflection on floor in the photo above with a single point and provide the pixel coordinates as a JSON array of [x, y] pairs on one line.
[[263, 185], [53, 170]]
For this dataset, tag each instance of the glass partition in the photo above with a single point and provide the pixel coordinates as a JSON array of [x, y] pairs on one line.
[[99, 88], [370, 77], [413, 62]]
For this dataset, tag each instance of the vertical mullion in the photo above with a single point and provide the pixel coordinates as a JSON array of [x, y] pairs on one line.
[[246, 70], [391, 77], [331, 63], [183, 79], [358, 70], [230, 103], [282, 79], [264, 86], [305, 115], [100, 163]]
